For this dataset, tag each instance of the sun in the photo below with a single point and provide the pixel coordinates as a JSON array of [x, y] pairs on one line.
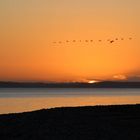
[[93, 81]]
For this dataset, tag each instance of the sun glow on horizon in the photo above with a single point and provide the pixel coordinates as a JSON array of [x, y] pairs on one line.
[[93, 81]]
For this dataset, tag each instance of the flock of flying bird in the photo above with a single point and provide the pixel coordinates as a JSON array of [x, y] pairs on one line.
[[89, 41]]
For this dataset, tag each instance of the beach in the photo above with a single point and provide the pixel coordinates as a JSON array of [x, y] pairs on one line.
[[117, 122]]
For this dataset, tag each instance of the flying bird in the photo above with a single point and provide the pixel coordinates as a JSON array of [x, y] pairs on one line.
[[112, 41], [90, 41]]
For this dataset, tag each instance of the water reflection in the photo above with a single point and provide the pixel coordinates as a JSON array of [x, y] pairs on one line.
[[10, 105]]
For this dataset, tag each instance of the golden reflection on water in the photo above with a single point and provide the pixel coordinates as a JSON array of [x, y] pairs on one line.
[[11, 105]]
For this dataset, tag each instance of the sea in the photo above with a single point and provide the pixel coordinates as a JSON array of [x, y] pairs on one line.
[[15, 100]]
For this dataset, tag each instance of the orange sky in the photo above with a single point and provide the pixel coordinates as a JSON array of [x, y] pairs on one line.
[[29, 28]]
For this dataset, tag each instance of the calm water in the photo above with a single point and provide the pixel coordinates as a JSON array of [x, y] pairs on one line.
[[20, 100]]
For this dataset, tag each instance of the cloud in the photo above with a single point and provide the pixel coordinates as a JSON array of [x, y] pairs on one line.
[[131, 78], [120, 77]]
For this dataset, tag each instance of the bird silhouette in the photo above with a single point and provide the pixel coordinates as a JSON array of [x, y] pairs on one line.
[[112, 41], [90, 41]]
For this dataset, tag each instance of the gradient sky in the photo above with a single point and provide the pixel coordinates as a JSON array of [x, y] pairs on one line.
[[28, 28]]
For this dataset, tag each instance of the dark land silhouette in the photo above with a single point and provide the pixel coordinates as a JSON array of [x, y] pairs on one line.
[[104, 84], [73, 123]]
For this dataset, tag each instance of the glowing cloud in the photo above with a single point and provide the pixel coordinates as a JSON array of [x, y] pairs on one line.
[[120, 77]]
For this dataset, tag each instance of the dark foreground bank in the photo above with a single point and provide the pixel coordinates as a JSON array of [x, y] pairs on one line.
[[88, 123]]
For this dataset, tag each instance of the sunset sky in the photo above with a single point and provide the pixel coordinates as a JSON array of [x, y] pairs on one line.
[[33, 35]]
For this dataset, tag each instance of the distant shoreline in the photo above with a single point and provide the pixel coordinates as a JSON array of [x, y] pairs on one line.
[[104, 84], [117, 122]]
